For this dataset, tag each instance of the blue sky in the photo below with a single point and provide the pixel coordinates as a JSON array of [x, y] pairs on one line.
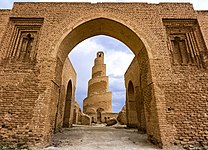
[[117, 55]]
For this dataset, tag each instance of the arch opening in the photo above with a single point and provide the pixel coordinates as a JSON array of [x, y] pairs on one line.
[[131, 106], [99, 115], [99, 26], [117, 59], [67, 107], [103, 26]]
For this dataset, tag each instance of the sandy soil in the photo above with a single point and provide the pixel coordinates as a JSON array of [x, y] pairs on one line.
[[100, 138]]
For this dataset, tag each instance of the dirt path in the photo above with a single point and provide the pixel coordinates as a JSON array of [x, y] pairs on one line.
[[100, 138]]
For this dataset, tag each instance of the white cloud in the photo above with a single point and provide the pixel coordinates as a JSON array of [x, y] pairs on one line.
[[82, 57], [118, 101], [117, 62]]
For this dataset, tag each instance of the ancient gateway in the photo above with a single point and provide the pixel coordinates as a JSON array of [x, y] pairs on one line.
[[166, 83]]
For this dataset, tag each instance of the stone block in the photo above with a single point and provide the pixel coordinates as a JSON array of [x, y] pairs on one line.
[[111, 122], [85, 119]]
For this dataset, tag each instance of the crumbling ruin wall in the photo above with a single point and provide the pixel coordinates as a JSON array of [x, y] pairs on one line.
[[68, 74], [139, 75], [24, 111], [20, 103], [131, 82], [186, 88], [122, 116], [77, 113], [21, 92], [107, 116], [133, 75]]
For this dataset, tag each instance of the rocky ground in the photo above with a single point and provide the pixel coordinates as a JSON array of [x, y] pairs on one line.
[[100, 137]]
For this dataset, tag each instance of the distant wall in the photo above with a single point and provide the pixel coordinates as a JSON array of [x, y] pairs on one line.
[[135, 106], [68, 74]]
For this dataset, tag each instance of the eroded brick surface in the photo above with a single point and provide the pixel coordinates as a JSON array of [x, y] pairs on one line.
[[172, 66]]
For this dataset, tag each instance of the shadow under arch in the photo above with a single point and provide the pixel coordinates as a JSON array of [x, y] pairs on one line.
[[108, 27], [67, 108], [131, 111]]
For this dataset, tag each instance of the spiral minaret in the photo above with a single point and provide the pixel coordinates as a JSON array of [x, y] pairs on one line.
[[99, 97]]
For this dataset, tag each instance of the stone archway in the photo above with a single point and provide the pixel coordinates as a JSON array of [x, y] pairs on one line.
[[30, 86], [112, 28], [47, 69], [67, 108]]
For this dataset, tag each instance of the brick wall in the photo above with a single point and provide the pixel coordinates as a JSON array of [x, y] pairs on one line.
[[20, 104], [144, 97], [131, 84], [68, 74], [186, 105], [58, 27], [185, 93], [133, 74], [4, 18]]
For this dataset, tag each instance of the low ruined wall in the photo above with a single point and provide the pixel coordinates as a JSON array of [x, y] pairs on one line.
[[106, 116], [76, 113]]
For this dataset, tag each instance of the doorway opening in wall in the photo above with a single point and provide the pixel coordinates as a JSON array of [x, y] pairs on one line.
[[68, 102], [117, 57], [97, 53]]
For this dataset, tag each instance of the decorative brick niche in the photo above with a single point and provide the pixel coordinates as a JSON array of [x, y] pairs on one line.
[[185, 42], [24, 39]]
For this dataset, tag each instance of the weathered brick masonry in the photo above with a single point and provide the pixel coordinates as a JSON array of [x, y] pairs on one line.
[[169, 41]]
